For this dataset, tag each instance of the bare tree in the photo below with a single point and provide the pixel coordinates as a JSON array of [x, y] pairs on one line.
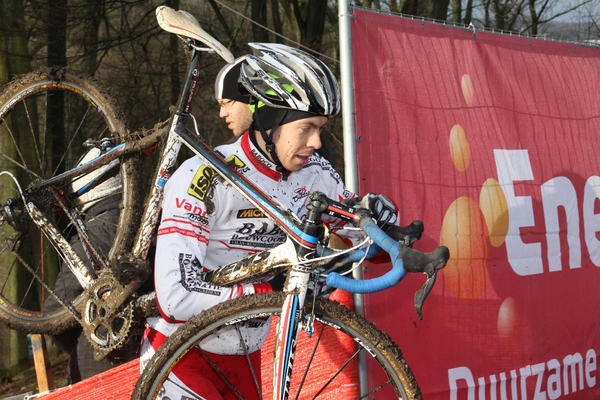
[[525, 16], [259, 15], [310, 17], [14, 60], [544, 11]]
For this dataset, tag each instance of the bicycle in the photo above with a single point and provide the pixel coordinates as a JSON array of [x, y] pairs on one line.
[[46, 213]]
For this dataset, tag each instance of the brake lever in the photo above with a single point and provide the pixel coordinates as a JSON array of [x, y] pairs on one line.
[[422, 293], [430, 269]]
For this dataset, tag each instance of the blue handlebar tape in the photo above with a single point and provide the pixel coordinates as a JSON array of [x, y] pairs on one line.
[[391, 278]]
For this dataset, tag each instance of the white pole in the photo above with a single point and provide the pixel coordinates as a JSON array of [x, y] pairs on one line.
[[347, 88], [349, 131]]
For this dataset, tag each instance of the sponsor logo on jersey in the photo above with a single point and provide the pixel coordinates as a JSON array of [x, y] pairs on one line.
[[238, 164], [197, 219], [191, 276], [299, 194], [347, 194], [201, 182], [261, 237], [190, 208], [234, 161], [260, 158], [251, 213]]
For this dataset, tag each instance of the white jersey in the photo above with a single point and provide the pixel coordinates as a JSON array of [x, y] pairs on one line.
[[206, 223]]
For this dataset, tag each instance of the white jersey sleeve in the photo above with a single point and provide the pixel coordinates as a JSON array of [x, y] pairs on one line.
[[188, 216]]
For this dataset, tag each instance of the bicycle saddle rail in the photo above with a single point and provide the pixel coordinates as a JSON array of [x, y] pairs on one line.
[[185, 24]]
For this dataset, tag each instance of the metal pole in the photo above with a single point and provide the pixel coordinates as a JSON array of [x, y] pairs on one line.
[[349, 131]]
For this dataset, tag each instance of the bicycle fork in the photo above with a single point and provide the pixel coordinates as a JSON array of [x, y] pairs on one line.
[[291, 319]]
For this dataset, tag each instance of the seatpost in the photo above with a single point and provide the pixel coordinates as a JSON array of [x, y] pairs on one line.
[[189, 87]]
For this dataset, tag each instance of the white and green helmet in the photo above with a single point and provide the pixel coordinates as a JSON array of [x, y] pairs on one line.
[[288, 78]]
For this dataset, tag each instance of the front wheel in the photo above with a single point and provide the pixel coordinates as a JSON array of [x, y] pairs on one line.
[[325, 364]]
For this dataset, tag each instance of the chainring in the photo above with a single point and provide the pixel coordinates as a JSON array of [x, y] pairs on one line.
[[105, 330]]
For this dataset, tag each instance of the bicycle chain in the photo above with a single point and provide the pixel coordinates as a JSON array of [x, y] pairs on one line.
[[69, 306], [105, 334]]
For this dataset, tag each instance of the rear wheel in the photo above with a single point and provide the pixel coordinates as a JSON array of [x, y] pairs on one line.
[[45, 117], [325, 364]]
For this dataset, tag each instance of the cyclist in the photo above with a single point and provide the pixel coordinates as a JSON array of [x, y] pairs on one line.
[[206, 223], [233, 106]]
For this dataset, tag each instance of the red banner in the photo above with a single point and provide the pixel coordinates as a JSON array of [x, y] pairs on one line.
[[492, 141]]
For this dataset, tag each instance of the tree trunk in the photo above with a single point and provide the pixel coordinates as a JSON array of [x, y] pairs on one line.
[[175, 60], [409, 7], [468, 12], [258, 12], [277, 24], [534, 17], [456, 11], [312, 31], [14, 59], [95, 14], [56, 32], [310, 17], [436, 9]]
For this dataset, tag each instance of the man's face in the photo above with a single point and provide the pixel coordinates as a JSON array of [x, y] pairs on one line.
[[296, 141], [236, 114]]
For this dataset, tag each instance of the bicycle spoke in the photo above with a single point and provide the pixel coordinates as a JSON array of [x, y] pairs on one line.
[[331, 359], [221, 373], [72, 139], [335, 375], [377, 389], [22, 164], [312, 356], [254, 378], [191, 394], [32, 132], [7, 274]]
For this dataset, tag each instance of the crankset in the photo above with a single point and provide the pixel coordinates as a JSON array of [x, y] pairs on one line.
[[107, 309], [105, 323]]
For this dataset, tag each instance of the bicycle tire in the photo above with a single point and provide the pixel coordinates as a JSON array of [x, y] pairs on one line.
[[30, 106], [347, 328]]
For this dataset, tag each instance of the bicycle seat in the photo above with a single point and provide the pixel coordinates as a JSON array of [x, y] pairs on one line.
[[183, 23]]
